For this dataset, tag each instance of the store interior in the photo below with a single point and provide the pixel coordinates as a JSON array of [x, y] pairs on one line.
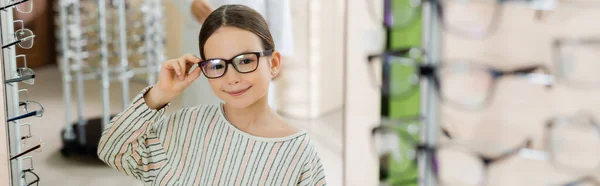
[[391, 92]]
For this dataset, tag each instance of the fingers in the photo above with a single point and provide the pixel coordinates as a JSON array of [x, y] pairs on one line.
[[173, 65], [193, 76], [182, 66], [191, 59]]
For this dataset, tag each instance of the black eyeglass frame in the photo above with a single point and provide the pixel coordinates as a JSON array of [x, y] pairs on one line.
[[230, 61]]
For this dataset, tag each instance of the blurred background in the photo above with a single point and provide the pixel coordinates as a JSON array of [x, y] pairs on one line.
[[392, 92]]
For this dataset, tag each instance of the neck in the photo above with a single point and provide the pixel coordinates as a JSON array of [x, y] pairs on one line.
[[255, 114]]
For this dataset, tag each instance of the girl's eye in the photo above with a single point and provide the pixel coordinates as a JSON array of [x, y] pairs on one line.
[[246, 61], [217, 66]]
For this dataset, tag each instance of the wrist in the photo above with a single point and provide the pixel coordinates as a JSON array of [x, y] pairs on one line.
[[156, 98]]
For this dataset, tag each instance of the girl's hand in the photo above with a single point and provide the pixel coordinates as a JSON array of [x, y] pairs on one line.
[[173, 79]]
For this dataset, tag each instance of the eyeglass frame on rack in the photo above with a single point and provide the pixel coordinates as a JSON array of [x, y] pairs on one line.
[[30, 170], [431, 71], [419, 147], [17, 7], [37, 113], [20, 70], [559, 62], [415, 6], [18, 40]]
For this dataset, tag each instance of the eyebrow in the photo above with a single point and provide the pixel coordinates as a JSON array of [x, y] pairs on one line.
[[243, 52]]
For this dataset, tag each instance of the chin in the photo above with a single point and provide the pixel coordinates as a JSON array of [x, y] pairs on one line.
[[239, 103]]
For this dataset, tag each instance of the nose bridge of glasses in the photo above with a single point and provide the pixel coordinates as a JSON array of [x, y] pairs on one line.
[[232, 76]]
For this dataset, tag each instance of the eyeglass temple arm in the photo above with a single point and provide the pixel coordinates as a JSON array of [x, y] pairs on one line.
[[396, 52], [509, 153], [26, 151], [14, 4], [11, 44], [23, 116], [19, 79], [526, 71]]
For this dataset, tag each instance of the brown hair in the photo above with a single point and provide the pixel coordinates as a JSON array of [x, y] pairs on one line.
[[238, 16]]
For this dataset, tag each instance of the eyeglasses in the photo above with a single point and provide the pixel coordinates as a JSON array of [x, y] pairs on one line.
[[27, 107], [242, 63], [23, 37], [473, 18], [30, 177], [573, 143], [576, 61], [23, 6], [27, 144], [24, 74], [462, 83], [403, 148]]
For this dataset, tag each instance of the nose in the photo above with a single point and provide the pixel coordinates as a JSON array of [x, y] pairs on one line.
[[232, 76]]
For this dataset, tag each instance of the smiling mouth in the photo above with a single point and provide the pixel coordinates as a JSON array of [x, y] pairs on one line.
[[238, 92]]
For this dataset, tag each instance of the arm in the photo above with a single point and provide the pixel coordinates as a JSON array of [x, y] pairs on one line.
[[201, 9], [130, 142]]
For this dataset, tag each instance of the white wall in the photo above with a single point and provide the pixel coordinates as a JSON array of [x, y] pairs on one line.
[[362, 111], [312, 81]]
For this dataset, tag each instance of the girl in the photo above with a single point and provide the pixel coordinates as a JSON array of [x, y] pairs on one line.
[[239, 142]]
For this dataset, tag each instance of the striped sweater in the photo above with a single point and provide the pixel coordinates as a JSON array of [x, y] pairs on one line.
[[198, 146]]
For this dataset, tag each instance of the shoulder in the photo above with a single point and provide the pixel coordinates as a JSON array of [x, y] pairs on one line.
[[304, 145]]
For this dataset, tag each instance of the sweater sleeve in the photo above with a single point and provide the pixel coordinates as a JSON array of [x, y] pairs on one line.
[[313, 173], [130, 142]]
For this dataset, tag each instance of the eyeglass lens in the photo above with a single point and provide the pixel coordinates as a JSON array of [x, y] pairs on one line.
[[242, 63], [475, 17], [26, 37], [25, 7], [575, 144], [578, 63], [465, 84]]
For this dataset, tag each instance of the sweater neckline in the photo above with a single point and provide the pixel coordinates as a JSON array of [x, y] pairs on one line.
[[221, 112]]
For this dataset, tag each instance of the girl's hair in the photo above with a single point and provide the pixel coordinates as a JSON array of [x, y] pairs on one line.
[[238, 16]]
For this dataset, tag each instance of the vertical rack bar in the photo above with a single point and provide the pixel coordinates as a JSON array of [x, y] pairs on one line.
[[6, 167], [104, 62], [124, 69], [11, 93], [65, 67], [432, 42], [81, 121], [159, 36], [147, 8]]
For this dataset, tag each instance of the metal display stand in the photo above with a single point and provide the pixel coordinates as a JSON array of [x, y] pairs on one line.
[[9, 102], [99, 42], [12, 153], [430, 128]]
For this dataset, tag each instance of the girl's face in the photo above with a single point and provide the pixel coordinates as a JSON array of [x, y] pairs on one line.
[[234, 88]]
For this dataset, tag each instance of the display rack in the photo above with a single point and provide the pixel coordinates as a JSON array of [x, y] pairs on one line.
[[107, 41], [12, 152], [9, 170]]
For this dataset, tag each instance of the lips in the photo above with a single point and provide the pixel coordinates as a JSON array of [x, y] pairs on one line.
[[238, 92]]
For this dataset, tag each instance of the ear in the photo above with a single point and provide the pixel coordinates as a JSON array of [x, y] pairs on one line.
[[275, 66]]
